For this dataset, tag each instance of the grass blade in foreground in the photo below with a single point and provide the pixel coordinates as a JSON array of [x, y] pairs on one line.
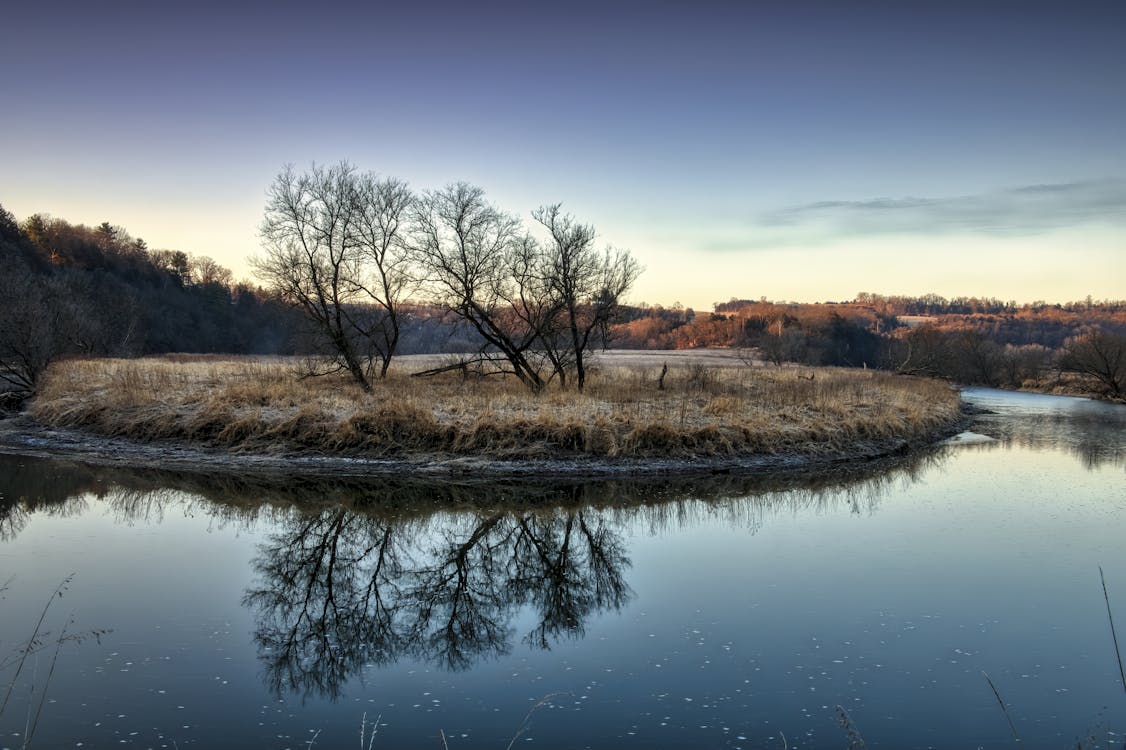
[[1004, 708], [1113, 632]]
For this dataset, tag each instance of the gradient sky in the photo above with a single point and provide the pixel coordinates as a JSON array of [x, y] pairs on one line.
[[792, 150]]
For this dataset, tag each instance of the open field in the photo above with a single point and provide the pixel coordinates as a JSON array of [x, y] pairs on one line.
[[259, 406]]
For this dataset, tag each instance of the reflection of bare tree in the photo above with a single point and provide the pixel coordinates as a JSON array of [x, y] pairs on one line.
[[13, 520], [461, 595], [583, 566], [328, 600], [366, 572], [338, 589]]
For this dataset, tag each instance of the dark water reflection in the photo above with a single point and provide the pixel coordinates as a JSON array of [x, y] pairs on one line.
[[357, 572], [61, 488], [1092, 431], [340, 590], [719, 611]]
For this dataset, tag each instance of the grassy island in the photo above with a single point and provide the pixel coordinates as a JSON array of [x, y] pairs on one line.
[[260, 406]]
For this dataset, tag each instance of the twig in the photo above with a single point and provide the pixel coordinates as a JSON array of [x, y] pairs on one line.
[[1113, 632], [27, 720], [312, 740], [1004, 708], [34, 637], [363, 730], [855, 741], [524, 724], [443, 736], [43, 693]]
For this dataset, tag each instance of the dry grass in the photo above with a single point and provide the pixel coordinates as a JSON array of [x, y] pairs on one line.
[[259, 405]]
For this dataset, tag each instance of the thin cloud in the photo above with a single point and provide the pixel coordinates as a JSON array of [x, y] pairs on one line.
[[759, 241], [1026, 210]]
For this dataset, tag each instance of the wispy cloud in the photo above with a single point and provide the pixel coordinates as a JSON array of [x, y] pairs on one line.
[[1031, 209]]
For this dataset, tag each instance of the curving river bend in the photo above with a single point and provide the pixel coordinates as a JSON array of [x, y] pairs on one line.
[[729, 612]]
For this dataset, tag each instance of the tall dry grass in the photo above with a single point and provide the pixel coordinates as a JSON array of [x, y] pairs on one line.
[[260, 405]]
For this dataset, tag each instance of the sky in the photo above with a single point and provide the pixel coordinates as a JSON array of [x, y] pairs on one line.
[[795, 150]]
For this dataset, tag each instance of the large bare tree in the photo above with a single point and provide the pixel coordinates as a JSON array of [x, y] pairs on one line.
[[587, 284], [337, 245], [332, 246], [480, 266]]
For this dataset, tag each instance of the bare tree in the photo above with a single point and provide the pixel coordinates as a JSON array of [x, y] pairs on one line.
[[1100, 354], [534, 305], [204, 269], [384, 257], [41, 319], [27, 342], [922, 351], [589, 285], [479, 265], [332, 246]]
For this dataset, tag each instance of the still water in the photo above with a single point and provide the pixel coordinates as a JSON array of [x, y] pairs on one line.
[[726, 613]]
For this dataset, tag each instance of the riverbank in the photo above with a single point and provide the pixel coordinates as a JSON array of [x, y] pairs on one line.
[[254, 414], [1072, 384]]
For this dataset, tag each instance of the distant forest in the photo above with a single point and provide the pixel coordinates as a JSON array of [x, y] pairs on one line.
[[105, 292], [69, 289], [858, 332], [967, 340]]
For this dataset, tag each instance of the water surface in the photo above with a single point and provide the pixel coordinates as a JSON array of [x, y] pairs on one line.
[[732, 612]]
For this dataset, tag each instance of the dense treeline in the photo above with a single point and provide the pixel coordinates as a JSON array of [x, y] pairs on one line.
[[814, 334], [933, 304], [72, 289], [744, 322], [1003, 344]]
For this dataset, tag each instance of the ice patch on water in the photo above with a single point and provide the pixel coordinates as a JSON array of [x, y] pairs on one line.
[[968, 438]]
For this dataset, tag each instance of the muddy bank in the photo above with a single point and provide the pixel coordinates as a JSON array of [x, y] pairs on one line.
[[21, 435]]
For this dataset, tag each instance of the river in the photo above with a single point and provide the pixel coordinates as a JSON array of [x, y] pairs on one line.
[[731, 612]]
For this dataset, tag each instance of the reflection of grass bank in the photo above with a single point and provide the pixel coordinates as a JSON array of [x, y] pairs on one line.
[[654, 501], [260, 407]]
